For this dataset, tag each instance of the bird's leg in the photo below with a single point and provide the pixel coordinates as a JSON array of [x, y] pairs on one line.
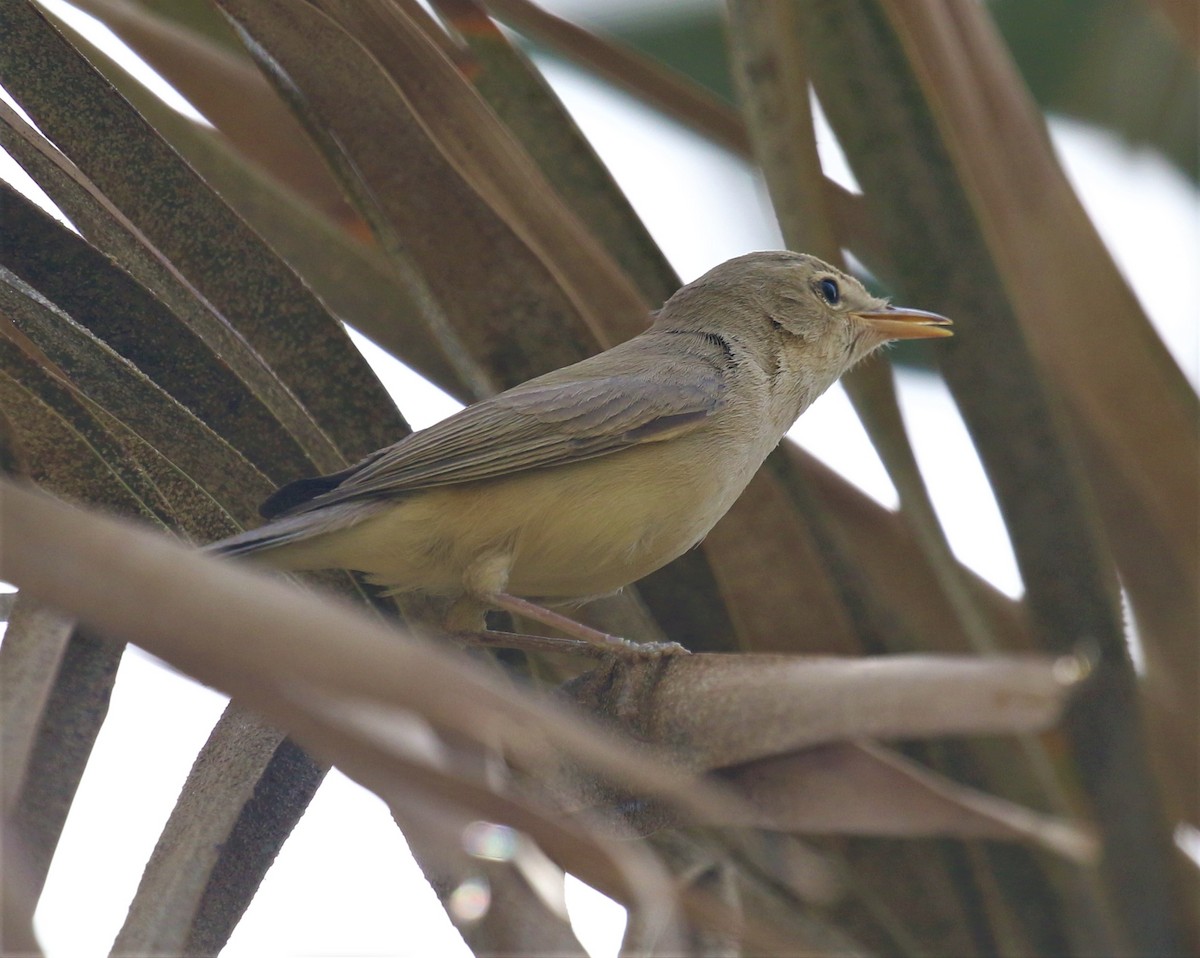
[[466, 621], [612, 644], [568, 626], [485, 581], [492, 639]]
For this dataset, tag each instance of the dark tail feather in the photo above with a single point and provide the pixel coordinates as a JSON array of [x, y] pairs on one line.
[[286, 498], [290, 523]]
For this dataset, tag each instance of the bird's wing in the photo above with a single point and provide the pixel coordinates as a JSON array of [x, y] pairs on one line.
[[564, 417]]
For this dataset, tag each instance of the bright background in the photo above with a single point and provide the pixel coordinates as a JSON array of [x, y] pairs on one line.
[[344, 883]]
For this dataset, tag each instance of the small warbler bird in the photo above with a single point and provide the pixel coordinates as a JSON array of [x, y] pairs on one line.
[[583, 480]]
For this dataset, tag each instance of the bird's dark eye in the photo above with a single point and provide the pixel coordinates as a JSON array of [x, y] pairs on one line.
[[829, 289]]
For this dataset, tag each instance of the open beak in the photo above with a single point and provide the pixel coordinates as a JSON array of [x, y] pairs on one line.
[[896, 322]]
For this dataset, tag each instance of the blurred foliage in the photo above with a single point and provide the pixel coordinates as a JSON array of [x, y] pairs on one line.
[[1113, 63]]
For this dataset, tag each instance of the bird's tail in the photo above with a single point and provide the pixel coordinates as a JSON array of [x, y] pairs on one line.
[[251, 541], [293, 530]]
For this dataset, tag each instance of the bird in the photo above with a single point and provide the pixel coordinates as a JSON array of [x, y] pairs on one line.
[[581, 481]]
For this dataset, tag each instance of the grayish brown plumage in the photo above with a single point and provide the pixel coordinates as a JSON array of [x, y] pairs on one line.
[[583, 480]]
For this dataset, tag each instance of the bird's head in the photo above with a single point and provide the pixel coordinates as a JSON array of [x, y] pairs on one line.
[[794, 301]]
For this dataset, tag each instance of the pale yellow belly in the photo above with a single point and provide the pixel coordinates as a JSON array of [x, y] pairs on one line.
[[570, 532]]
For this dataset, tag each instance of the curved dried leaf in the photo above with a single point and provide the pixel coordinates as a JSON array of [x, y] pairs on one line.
[[54, 689], [351, 276], [711, 876], [1183, 19], [65, 444], [118, 387], [64, 447], [374, 747], [76, 693], [945, 219], [177, 500], [772, 81], [529, 107], [277, 452], [521, 918], [493, 162], [774, 85], [673, 93], [341, 660], [18, 897], [873, 391], [1082, 320], [648, 81], [35, 643], [770, 569], [518, 921], [685, 598], [1128, 66], [247, 789], [70, 445], [719, 710], [231, 93], [225, 260], [514, 318], [277, 648], [863, 789], [881, 548], [1087, 329]]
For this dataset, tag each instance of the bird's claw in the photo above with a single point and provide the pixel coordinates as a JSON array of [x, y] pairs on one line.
[[627, 648]]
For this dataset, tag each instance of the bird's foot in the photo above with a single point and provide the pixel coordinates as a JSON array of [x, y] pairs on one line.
[[658, 650], [581, 638]]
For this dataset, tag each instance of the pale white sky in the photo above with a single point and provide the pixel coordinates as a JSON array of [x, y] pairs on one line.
[[344, 883]]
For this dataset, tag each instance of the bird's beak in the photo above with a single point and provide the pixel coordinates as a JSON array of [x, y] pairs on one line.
[[896, 322]]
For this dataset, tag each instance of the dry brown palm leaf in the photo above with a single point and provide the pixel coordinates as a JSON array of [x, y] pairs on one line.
[[324, 669], [719, 710], [253, 396], [206, 241], [224, 85], [17, 897], [35, 643], [1183, 18], [784, 729], [774, 84], [527, 104], [807, 563], [355, 280], [1085, 326], [426, 211], [769, 567], [940, 169], [111, 377], [657, 85], [859, 788], [341, 696], [882, 547], [220, 839], [491, 159], [649, 81]]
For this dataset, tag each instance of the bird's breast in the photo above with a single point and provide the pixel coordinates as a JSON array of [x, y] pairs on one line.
[[572, 531], [597, 526]]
